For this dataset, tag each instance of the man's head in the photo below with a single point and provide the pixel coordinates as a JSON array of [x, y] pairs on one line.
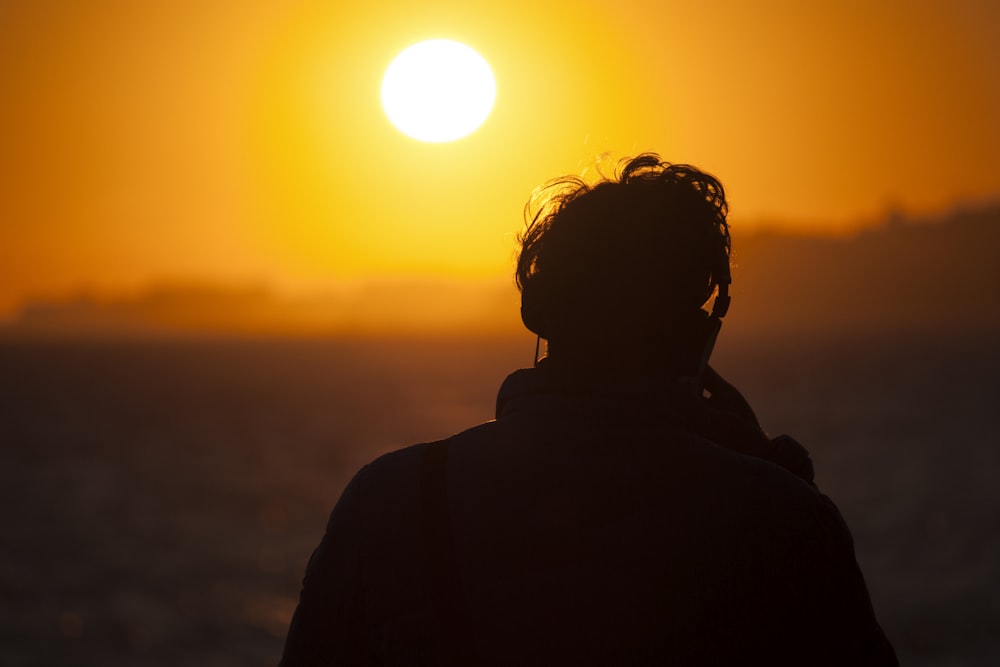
[[633, 255]]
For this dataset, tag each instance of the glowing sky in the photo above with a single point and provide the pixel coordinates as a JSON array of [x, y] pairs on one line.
[[234, 141]]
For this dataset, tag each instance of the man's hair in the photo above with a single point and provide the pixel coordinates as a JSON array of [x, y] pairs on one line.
[[635, 251]]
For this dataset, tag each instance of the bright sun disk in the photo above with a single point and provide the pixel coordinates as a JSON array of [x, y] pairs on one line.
[[438, 91]]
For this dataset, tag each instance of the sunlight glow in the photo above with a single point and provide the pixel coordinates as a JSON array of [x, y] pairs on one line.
[[438, 91]]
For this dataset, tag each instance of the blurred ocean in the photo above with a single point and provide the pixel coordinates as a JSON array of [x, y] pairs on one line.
[[159, 500]]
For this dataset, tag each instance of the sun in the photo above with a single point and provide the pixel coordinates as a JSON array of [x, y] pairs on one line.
[[438, 91]]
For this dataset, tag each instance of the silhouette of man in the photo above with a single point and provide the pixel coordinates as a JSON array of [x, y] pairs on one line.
[[624, 507]]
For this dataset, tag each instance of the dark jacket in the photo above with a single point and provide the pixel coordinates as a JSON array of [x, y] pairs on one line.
[[592, 522]]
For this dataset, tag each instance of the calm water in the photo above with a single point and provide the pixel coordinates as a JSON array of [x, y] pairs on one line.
[[159, 501]]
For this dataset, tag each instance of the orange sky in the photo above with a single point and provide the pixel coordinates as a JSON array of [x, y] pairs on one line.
[[244, 141]]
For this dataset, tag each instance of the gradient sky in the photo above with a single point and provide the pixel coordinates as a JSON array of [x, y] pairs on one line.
[[243, 141]]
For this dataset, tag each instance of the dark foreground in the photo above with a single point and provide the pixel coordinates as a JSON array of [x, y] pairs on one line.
[[159, 501]]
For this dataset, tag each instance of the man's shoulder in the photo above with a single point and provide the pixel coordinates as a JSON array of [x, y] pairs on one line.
[[397, 471], [408, 459], [769, 495]]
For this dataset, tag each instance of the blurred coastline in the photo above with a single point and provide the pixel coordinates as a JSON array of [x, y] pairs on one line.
[[904, 275]]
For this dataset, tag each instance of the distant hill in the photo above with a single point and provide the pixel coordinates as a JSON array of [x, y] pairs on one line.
[[928, 275], [921, 276]]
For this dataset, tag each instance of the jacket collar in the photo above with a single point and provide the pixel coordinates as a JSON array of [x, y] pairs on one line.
[[641, 396], [549, 383]]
